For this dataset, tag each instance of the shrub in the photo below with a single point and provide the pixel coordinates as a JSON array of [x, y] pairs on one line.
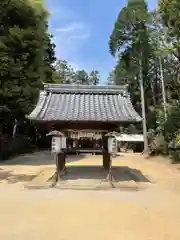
[[158, 146], [174, 149], [14, 147]]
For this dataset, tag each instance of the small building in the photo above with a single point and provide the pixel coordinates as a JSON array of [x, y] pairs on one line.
[[84, 113], [130, 138], [135, 140]]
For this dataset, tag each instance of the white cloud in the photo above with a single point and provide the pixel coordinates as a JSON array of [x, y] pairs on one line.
[[71, 27], [69, 40], [81, 36], [70, 34], [74, 30]]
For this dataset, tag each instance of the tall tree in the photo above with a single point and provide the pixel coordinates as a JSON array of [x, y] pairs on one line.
[[81, 77], [64, 73], [49, 59], [23, 27], [130, 42], [170, 14], [94, 77]]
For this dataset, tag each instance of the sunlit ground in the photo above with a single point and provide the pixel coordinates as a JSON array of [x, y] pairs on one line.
[[73, 211]]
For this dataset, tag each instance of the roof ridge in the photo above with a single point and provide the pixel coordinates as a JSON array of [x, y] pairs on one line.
[[85, 88]]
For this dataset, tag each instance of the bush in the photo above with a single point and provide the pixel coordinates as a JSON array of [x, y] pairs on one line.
[[13, 147], [175, 156], [157, 146], [174, 149]]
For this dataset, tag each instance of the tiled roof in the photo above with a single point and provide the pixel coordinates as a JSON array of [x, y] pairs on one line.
[[61, 102]]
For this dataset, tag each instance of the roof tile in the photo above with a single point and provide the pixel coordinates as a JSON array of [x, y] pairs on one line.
[[84, 104]]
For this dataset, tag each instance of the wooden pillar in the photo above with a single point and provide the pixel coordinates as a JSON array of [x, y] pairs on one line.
[[77, 145], [106, 155], [61, 163], [106, 160], [94, 145], [60, 166]]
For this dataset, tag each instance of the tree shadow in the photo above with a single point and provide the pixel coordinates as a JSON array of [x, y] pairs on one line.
[[120, 174], [14, 178], [38, 158]]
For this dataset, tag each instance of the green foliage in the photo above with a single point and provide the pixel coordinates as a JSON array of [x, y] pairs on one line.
[[158, 146], [174, 149], [94, 77], [172, 124], [130, 41], [49, 59], [170, 13], [81, 77], [64, 73], [150, 38], [129, 29], [11, 148], [26, 55]]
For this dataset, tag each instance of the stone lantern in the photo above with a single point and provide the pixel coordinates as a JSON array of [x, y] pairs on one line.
[[58, 149], [112, 143], [112, 147]]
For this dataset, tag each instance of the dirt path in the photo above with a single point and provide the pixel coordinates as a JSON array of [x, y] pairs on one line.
[[149, 214]]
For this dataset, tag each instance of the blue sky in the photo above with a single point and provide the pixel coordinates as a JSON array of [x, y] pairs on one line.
[[81, 30]]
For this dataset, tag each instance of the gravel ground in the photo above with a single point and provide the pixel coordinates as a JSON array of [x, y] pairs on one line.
[[152, 213]]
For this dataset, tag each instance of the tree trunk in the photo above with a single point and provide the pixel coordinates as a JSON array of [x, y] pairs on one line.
[[14, 129]]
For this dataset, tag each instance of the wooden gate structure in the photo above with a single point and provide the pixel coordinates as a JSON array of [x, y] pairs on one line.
[[84, 112]]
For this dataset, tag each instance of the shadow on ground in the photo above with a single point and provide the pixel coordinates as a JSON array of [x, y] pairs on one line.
[[95, 178], [120, 174], [14, 178], [38, 158], [80, 176], [97, 172]]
